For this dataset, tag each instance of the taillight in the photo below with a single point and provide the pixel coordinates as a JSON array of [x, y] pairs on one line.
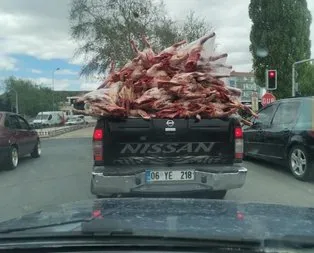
[[238, 133], [238, 142], [98, 135], [97, 144]]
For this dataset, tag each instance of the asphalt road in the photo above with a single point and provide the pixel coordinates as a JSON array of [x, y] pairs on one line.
[[62, 174]]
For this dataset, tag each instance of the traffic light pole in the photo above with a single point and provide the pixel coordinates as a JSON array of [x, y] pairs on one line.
[[293, 73]]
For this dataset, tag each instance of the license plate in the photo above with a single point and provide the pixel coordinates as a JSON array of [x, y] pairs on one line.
[[176, 175]]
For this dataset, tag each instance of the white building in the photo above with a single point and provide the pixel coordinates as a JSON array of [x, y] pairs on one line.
[[245, 81]]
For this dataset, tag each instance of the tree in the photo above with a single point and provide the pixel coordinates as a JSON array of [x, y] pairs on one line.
[[305, 80], [104, 28], [279, 37], [32, 98]]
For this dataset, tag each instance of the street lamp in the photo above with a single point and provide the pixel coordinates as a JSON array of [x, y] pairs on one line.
[[53, 88], [293, 73]]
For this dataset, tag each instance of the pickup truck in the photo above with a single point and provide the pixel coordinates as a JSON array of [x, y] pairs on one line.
[[135, 156]]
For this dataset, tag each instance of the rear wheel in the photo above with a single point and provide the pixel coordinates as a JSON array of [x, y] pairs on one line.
[[13, 159], [299, 163], [37, 150]]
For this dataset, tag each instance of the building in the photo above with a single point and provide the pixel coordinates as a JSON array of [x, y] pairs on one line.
[[245, 81]]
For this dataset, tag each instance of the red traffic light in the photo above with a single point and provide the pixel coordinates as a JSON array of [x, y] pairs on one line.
[[271, 79], [271, 74]]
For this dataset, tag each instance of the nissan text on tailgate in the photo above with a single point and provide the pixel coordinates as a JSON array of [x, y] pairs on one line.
[[167, 156]]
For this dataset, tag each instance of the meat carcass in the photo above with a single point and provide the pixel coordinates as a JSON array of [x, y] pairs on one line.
[[180, 81]]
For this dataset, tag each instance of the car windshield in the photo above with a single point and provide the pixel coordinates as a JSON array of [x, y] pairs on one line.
[[42, 116], [198, 111]]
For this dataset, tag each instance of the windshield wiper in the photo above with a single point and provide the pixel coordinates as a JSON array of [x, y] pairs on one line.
[[25, 228], [93, 225]]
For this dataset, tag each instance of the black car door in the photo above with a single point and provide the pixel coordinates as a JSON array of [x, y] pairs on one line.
[[277, 136], [254, 136]]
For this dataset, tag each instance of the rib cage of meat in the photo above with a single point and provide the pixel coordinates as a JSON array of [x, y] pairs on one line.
[[182, 81]]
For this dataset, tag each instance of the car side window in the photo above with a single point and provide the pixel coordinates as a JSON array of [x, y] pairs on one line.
[[24, 125], [14, 122], [286, 114], [7, 122], [265, 116]]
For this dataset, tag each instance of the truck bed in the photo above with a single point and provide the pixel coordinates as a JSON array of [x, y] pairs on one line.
[[169, 142]]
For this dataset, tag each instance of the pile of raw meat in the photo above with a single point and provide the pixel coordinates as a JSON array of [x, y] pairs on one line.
[[182, 81]]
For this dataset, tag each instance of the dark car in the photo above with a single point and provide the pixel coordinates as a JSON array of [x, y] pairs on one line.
[[284, 133], [17, 139], [165, 224]]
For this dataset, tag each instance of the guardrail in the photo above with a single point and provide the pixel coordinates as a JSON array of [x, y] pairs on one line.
[[46, 133]]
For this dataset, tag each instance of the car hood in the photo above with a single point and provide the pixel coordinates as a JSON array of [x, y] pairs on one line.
[[194, 216]]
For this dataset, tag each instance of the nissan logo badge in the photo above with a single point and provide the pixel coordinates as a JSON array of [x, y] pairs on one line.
[[170, 123]]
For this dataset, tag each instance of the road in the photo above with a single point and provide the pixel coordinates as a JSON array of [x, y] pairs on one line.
[[62, 174]]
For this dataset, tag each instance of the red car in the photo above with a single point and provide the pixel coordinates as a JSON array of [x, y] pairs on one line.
[[17, 139]]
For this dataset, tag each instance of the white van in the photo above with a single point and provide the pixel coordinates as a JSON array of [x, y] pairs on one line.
[[48, 119]]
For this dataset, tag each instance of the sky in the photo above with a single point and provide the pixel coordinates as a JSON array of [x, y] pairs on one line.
[[35, 38]]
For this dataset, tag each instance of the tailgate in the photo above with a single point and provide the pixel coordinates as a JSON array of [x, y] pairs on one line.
[[169, 142]]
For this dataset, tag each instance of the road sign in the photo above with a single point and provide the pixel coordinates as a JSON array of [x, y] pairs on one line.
[[268, 98]]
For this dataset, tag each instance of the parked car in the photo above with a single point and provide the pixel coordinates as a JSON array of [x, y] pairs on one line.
[[90, 119], [74, 121], [17, 139], [284, 133]]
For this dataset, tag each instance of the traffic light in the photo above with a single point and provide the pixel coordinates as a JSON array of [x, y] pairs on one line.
[[271, 81]]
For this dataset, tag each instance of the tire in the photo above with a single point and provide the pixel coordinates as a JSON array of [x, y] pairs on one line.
[[13, 159], [37, 151], [299, 164]]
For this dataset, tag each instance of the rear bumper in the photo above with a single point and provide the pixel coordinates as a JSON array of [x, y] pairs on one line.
[[105, 185]]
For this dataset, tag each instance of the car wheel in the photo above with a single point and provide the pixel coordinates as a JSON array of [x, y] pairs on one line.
[[13, 160], [37, 150], [299, 163]]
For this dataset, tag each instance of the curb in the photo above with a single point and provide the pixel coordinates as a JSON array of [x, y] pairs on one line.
[[51, 133]]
